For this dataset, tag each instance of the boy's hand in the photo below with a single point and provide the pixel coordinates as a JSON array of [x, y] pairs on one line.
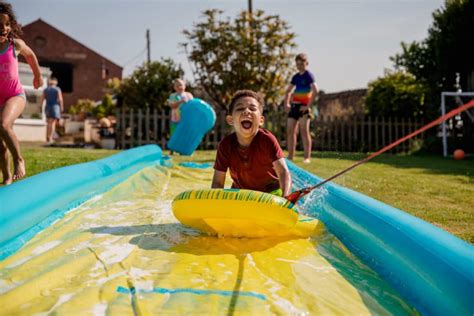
[[38, 82], [287, 108]]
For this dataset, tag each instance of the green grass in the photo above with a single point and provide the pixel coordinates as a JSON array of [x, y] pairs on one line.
[[437, 190], [39, 159]]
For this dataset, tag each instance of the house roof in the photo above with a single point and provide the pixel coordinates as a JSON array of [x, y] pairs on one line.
[[76, 42]]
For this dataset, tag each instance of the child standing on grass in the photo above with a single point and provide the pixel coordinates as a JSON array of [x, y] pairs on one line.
[[251, 153], [12, 95], [302, 91], [54, 106], [175, 100]]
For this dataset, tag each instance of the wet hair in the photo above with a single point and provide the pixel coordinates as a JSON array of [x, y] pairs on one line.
[[244, 93], [303, 57], [175, 81], [6, 8]]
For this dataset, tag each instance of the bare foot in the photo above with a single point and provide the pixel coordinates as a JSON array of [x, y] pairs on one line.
[[7, 180], [20, 170], [307, 160]]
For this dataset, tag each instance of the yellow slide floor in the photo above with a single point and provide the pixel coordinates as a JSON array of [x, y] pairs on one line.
[[124, 253]]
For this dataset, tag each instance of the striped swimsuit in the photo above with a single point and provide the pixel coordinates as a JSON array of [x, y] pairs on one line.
[[10, 85]]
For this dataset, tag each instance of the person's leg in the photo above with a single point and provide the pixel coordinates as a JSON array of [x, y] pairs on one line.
[[5, 164], [53, 128], [11, 111], [305, 123], [49, 137], [291, 126]]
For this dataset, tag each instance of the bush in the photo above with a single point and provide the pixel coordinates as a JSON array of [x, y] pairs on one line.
[[397, 94]]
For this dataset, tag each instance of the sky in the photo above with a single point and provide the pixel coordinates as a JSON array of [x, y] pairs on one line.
[[348, 42]]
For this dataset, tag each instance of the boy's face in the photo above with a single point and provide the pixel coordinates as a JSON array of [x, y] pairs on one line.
[[301, 65], [179, 86], [246, 117], [5, 27]]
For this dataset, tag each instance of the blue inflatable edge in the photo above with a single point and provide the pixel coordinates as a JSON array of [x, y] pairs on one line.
[[430, 268], [30, 205]]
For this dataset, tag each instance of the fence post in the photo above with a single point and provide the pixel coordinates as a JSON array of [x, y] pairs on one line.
[[396, 130], [147, 125], [384, 143], [140, 128], [369, 131], [163, 129], [155, 125]]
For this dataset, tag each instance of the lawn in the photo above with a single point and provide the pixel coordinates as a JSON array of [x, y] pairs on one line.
[[438, 190]]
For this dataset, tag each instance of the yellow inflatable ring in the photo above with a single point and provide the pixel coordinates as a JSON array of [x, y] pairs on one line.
[[241, 213]]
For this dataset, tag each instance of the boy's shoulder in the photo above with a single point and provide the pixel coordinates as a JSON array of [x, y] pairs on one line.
[[266, 136], [304, 74]]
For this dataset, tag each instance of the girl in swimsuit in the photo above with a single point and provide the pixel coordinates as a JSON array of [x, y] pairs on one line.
[[12, 95]]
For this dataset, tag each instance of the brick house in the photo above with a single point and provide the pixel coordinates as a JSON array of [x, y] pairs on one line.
[[81, 72]]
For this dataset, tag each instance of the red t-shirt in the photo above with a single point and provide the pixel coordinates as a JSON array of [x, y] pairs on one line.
[[252, 167]]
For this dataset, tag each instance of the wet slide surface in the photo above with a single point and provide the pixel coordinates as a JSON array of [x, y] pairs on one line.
[[123, 252]]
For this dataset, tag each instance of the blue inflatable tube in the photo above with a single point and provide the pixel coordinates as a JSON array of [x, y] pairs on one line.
[[432, 269], [30, 205], [197, 118]]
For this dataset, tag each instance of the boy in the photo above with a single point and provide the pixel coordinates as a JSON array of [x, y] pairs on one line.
[[252, 154], [305, 91], [54, 106]]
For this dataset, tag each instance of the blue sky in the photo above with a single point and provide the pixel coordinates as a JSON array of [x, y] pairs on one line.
[[348, 42]]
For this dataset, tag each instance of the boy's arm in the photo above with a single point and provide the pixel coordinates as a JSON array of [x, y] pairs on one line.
[[284, 176], [61, 100], [31, 59], [286, 102], [218, 180]]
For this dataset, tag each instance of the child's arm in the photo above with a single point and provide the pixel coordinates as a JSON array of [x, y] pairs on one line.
[[175, 104], [286, 102], [42, 98], [284, 176], [218, 180], [314, 94], [61, 100], [30, 57]]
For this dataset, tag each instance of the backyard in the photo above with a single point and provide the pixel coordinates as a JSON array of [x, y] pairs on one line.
[[437, 190]]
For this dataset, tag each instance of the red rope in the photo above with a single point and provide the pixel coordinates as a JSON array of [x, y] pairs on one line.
[[295, 196]]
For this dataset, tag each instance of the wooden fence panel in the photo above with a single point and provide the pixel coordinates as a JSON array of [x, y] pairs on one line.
[[356, 133]]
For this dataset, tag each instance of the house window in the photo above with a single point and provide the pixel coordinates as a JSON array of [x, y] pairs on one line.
[[40, 42]]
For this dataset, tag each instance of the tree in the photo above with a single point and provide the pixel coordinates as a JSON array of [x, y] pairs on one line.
[[396, 94], [252, 52], [446, 51], [150, 85]]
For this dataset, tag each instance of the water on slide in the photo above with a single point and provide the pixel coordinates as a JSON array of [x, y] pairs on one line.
[[124, 253]]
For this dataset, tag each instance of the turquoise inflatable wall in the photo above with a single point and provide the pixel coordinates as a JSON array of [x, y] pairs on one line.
[[432, 269], [30, 205], [197, 118]]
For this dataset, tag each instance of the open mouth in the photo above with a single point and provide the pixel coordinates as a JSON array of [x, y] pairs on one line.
[[246, 124]]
